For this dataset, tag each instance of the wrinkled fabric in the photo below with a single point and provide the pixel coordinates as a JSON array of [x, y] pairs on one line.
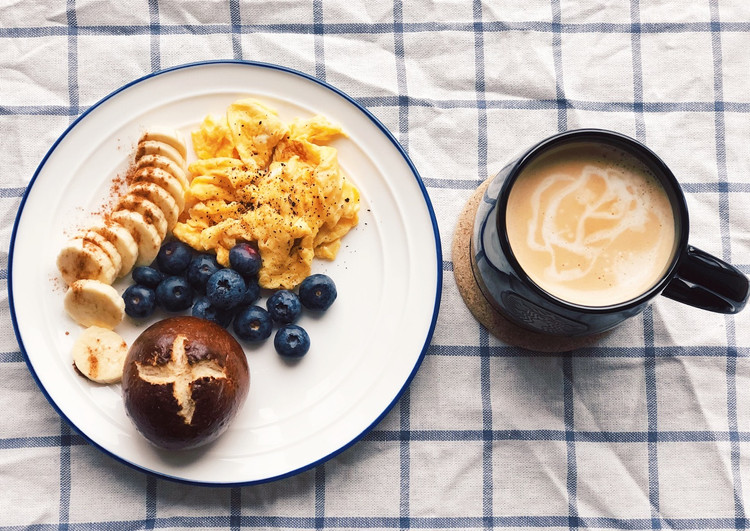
[[648, 429]]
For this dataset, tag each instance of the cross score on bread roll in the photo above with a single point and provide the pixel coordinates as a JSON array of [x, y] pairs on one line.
[[184, 381]]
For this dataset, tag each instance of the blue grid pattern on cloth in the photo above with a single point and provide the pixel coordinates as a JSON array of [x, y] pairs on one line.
[[681, 475]]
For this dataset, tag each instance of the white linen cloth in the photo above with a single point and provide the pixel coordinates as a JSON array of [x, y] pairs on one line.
[[650, 429]]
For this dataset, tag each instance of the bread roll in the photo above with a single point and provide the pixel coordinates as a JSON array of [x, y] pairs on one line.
[[184, 381]]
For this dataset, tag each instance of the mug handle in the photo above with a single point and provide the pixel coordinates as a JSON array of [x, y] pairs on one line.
[[704, 281]]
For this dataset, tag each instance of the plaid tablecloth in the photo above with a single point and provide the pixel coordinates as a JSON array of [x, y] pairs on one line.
[[648, 430]]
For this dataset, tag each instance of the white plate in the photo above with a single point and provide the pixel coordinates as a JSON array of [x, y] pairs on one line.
[[366, 348]]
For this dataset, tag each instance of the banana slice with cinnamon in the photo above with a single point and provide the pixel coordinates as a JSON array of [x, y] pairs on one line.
[[123, 241], [99, 354], [165, 135], [154, 147], [150, 212], [94, 303], [80, 258], [177, 170], [164, 179], [144, 233], [159, 197]]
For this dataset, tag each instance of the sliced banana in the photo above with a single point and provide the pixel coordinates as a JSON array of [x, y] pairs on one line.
[[161, 198], [123, 241], [82, 259], [163, 163], [145, 235], [94, 303], [99, 354], [162, 178], [106, 246], [153, 147], [150, 212], [167, 136]]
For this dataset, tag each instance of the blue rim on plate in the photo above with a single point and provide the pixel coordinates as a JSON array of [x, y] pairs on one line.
[[385, 132]]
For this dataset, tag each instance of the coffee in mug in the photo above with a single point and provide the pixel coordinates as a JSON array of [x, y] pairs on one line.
[[590, 224], [583, 230]]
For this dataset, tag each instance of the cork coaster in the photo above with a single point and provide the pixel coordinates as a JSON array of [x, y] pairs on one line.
[[497, 324]]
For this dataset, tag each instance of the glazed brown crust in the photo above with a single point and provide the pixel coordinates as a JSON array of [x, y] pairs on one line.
[[158, 409]]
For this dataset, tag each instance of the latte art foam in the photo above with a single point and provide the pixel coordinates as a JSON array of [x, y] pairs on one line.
[[590, 225], [606, 205]]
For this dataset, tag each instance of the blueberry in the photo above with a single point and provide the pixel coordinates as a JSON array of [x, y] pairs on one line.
[[225, 289], [200, 269], [291, 341], [147, 276], [174, 257], [205, 310], [140, 301], [252, 323], [284, 306], [245, 259], [317, 292], [174, 294], [252, 292]]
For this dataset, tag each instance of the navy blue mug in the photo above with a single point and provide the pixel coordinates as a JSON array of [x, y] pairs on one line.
[[689, 275]]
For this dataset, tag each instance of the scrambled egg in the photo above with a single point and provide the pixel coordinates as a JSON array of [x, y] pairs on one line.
[[260, 180]]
